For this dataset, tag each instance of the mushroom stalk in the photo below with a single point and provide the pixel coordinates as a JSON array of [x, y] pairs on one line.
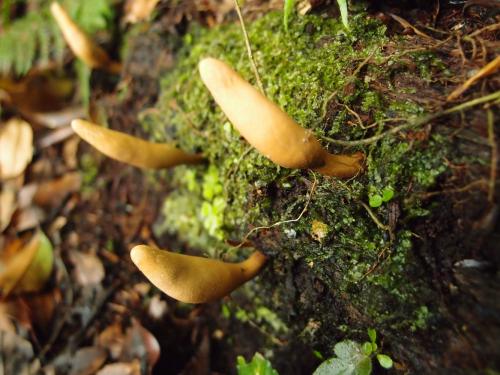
[[133, 150], [269, 129], [80, 43], [194, 279]]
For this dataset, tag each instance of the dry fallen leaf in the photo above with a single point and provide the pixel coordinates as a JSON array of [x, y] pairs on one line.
[[139, 10], [7, 206], [59, 119], [52, 193], [121, 368], [89, 270], [140, 343], [70, 149], [30, 311], [29, 268], [112, 339], [88, 360], [55, 136], [41, 91], [16, 147], [28, 218]]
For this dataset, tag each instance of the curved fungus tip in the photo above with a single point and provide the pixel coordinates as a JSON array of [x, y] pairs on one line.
[[133, 150], [81, 44], [268, 128], [193, 279]]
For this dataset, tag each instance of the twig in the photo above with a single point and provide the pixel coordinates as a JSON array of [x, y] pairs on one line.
[[274, 339], [461, 51], [486, 70], [493, 27], [376, 220], [311, 192], [355, 114], [376, 264], [408, 25], [418, 122], [462, 189], [494, 155], [249, 48], [363, 63]]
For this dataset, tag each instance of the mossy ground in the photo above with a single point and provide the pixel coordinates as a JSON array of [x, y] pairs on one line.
[[334, 271]]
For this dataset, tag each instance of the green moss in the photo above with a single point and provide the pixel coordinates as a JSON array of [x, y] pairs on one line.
[[309, 73]]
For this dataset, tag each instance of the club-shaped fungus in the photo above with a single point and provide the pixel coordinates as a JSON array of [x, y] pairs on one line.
[[267, 128], [133, 150], [193, 279], [79, 42]]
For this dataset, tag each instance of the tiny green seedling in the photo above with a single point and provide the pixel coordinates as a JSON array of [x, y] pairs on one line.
[[352, 358], [386, 195]]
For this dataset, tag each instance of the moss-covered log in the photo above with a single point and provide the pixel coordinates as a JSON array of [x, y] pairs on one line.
[[405, 248]]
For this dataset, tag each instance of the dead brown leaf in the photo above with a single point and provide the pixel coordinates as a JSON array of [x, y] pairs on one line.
[[55, 136], [88, 360], [121, 368], [139, 342], [28, 269], [89, 270], [112, 339], [7, 206], [37, 92], [34, 310], [52, 193], [70, 149], [28, 218], [59, 119], [139, 10], [16, 147]]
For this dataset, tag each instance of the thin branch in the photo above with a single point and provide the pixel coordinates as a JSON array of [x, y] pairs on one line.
[[376, 220], [249, 48], [493, 27], [418, 122], [462, 189]]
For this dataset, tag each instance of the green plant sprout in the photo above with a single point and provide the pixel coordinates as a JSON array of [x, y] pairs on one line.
[[386, 195], [352, 358], [257, 366]]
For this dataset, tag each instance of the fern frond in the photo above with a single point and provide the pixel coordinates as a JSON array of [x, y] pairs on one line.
[[35, 38]]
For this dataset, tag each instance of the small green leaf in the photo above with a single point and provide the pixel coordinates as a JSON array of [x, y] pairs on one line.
[[364, 367], [374, 346], [343, 12], [287, 12], [346, 349], [375, 201], [226, 312], [257, 366], [318, 355], [384, 360], [387, 194], [367, 348], [372, 334]]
